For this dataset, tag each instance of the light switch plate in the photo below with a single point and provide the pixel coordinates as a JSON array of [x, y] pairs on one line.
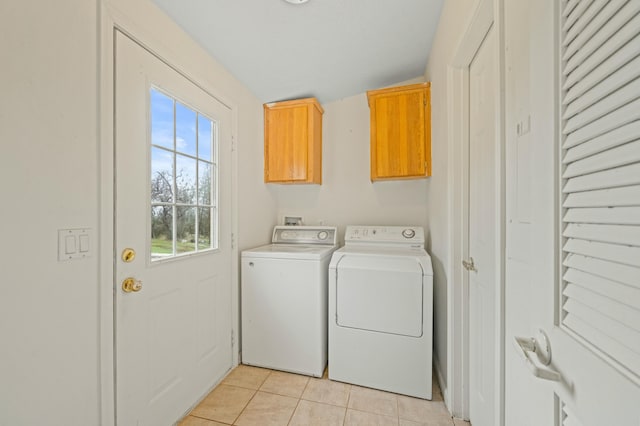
[[74, 243]]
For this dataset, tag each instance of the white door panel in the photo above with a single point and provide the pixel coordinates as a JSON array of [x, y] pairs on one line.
[[482, 232], [544, 288], [173, 336]]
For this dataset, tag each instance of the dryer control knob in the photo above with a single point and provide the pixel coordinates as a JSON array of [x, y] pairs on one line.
[[408, 233], [323, 235]]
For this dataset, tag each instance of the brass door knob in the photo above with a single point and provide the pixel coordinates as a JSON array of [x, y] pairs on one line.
[[131, 285]]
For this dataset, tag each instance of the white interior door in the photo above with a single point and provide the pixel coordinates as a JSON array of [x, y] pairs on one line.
[[572, 259], [173, 179], [482, 235]]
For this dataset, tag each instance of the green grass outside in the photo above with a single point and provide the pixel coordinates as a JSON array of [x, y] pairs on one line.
[[162, 246]]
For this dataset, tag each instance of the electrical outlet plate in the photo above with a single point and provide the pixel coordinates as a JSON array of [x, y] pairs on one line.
[[292, 220]]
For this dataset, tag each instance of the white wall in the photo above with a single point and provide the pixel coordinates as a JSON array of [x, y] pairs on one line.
[[347, 196], [451, 27], [50, 360], [48, 181]]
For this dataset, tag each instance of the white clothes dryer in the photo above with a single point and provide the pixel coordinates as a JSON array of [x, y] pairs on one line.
[[381, 310], [284, 300]]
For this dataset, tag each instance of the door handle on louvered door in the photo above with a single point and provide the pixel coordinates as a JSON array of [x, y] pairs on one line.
[[526, 346]]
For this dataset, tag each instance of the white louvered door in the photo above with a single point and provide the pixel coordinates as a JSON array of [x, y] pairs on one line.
[[597, 338], [573, 265]]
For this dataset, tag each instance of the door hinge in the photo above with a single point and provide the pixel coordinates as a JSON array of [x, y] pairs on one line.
[[233, 240], [233, 338], [233, 143]]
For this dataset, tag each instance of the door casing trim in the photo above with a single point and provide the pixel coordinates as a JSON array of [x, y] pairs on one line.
[[487, 16]]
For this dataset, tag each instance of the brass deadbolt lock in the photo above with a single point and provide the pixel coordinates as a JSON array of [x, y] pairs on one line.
[[128, 255], [131, 285]]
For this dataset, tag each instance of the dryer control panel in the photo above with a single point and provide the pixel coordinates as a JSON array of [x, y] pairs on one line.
[[407, 236], [325, 235]]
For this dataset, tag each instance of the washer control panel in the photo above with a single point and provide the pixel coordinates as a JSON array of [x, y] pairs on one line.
[[327, 235], [412, 236]]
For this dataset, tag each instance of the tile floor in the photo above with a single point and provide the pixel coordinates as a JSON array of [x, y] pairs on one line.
[[251, 396]]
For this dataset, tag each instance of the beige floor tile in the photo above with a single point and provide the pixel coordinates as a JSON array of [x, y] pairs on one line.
[[441, 422], [360, 418], [285, 384], [373, 401], [327, 392], [404, 422], [197, 421], [314, 413], [248, 377], [224, 404], [420, 410], [458, 422], [266, 409]]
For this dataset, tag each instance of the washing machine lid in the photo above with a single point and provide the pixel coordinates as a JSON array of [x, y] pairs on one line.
[[291, 251], [383, 294]]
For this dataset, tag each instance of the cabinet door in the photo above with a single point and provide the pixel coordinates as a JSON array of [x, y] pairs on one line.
[[400, 134], [286, 144]]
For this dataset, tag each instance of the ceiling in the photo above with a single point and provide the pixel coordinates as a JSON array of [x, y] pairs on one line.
[[329, 49]]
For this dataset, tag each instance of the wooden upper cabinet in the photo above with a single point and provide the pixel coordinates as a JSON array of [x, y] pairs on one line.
[[400, 132], [293, 141]]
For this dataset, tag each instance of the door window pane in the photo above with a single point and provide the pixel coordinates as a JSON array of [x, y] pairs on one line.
[[205, 138], [185, 229], [161, 120], [204, 183], [161, 232], [161, 175], [183, 179], [204, 228], [185, 129]]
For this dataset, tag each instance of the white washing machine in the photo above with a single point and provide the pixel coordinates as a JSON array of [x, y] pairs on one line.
[[381, 310], [284, 300]]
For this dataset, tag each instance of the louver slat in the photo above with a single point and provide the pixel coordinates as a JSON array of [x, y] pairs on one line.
[[601, 179], [607, 215], [576, 14], [583, 21], [603, 44], [603, 268], [598, 337], [621, 176], [624, 294], [587, 92], [614, 318], [605, 13], [615, 137], [615, 253], [611, 197], [615, 234], [616, 157]]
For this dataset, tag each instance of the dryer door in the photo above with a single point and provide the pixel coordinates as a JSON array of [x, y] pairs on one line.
[[381, 294]]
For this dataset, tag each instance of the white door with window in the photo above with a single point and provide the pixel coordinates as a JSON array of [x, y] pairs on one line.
[[573, 213], [483, 252], [173, 322]]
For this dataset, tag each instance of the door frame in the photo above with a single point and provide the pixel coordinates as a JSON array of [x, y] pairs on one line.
[[139, 22], [487, 16]]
